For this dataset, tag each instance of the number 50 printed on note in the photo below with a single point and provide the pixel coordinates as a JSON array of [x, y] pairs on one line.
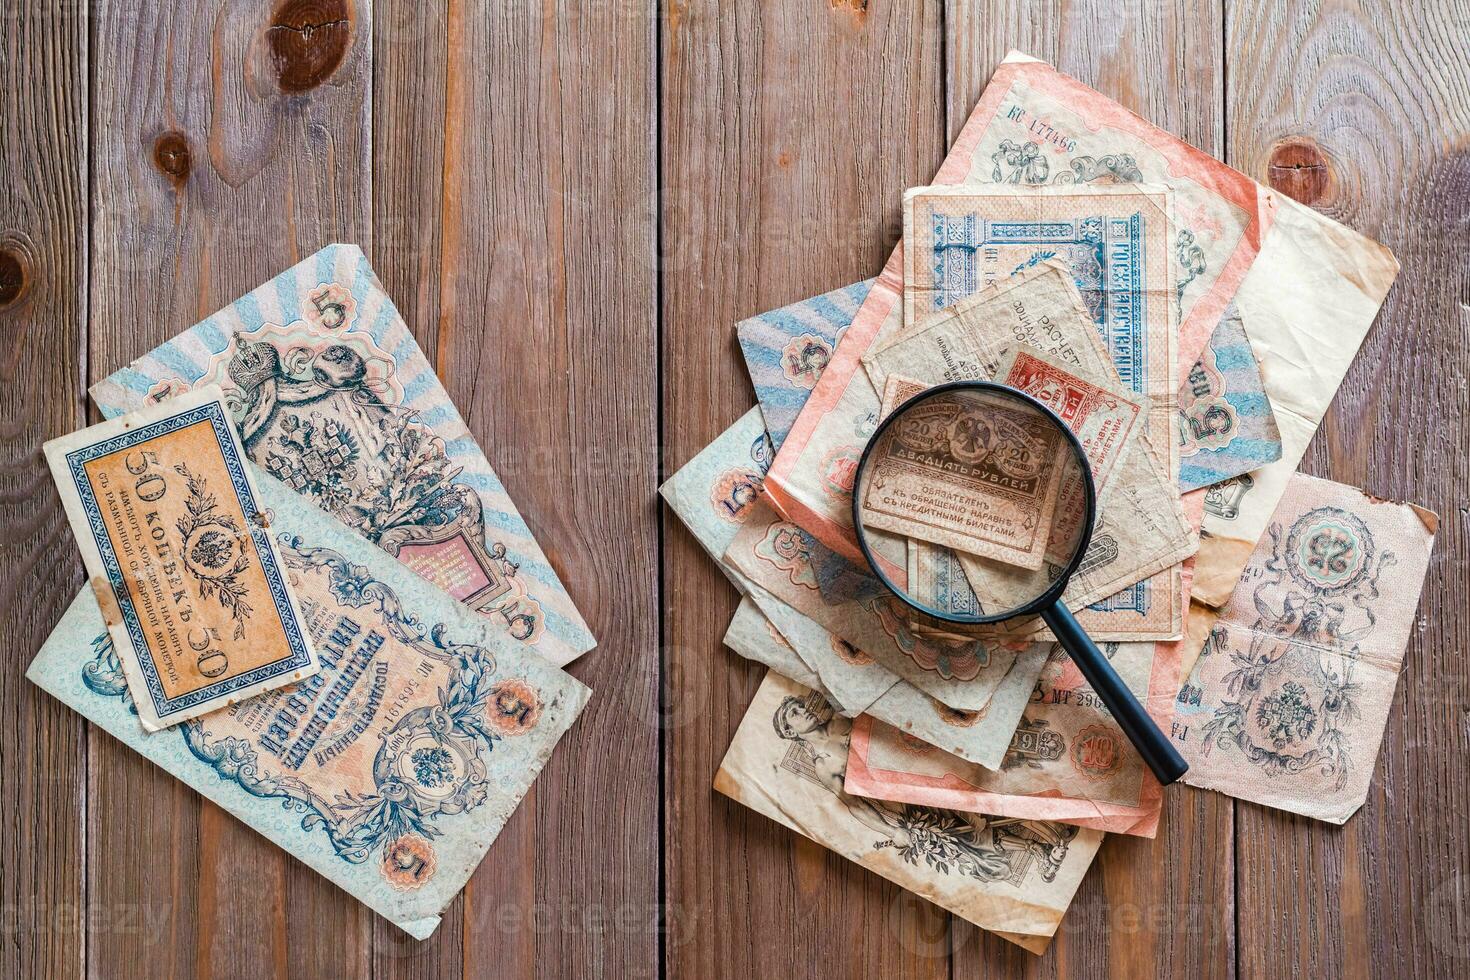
[[191, 587]]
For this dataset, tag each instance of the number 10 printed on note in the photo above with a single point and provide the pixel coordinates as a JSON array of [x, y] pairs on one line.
[[190, 585]]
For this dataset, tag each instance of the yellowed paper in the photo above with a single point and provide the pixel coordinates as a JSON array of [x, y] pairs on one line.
[[1130, 569], [788, 760], [190, 584], [1287, 703], [1307, 304]]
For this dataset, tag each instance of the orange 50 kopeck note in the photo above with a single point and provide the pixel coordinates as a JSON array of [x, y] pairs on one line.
[[189, 582]]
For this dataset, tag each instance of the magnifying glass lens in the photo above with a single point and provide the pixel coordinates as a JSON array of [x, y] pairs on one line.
[[975, 502]]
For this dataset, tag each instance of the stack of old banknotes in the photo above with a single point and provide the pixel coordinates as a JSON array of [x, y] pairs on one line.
[[1260, 615], [310, 597]]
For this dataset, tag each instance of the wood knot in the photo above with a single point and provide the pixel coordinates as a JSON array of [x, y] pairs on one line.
[[308, 40], [1299, 169], [12, 277], [171, 155]]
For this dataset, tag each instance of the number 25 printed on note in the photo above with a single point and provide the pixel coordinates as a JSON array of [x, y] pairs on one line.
[[191, 587]]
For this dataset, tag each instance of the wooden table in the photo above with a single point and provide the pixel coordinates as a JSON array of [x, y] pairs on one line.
[[573, 207]]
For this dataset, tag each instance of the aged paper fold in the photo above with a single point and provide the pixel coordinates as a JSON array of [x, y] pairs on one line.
[[392, 770], [713, 494], [1287, 703], [787, 762], [334, 398]]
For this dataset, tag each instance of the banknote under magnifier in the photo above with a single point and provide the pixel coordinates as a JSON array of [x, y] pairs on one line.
[[974, 503]]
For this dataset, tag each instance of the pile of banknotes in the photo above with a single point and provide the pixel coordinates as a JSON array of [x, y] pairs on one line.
[[309, 596], [1065, 241]]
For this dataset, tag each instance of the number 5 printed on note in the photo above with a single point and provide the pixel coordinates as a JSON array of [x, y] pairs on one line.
[[192, 588]]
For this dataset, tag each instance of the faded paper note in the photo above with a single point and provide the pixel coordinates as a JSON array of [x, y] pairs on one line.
[[1287, 703], [1226, 426], [981, 737], [963, 674], [1308, 287], [1306, 305], [196, 597], [787, 349], [392, 770], [1113, 241], [1032, 125], [334, 398], [787, 761], [756, 638], [713, 494], [1066, 761]]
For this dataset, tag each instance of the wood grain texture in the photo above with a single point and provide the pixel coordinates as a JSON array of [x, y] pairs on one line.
[[409, 88], [788, 132], [547, 342], [1160, 907], [230, 140], [1380, 92], [43, 297], [573, 204]]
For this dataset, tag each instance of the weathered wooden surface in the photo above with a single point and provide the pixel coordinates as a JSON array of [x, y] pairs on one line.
[[1369, 121], [572, 205], [788, 130], [43, 305]]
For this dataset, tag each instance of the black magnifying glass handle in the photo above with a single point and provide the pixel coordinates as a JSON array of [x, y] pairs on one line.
[[1165, 761]]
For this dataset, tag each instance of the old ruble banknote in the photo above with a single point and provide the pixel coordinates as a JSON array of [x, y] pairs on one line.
[[712, 494], [392, 769], [1015, 877], [1307, 287], [190, 583], [333, 397], [1129, 572], [1287, 703]]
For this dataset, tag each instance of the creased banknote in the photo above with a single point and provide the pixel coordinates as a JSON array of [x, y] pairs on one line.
[[712, 495], [192, 587], [963, 674], [1015, 877], [981, 737], [1128, 575], [1226, 426], [392, 770], [1287, 703], [1032, 125], [787, 349], [333, 397], [1067, 760], [756, 638], [1306, 306], [1061, 763]]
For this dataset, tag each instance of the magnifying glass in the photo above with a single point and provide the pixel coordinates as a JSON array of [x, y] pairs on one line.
[[977, 477]]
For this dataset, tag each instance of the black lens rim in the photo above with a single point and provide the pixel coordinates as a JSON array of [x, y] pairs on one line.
[[1054, 591]]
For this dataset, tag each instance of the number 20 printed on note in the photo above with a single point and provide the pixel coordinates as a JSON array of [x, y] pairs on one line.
[[193, 592]]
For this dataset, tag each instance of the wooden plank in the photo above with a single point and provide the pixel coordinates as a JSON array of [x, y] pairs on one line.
[[409, 83], [43, 295], [1368, 120], [546, 339], [789, 132], [230, 141], [1162, 907]]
